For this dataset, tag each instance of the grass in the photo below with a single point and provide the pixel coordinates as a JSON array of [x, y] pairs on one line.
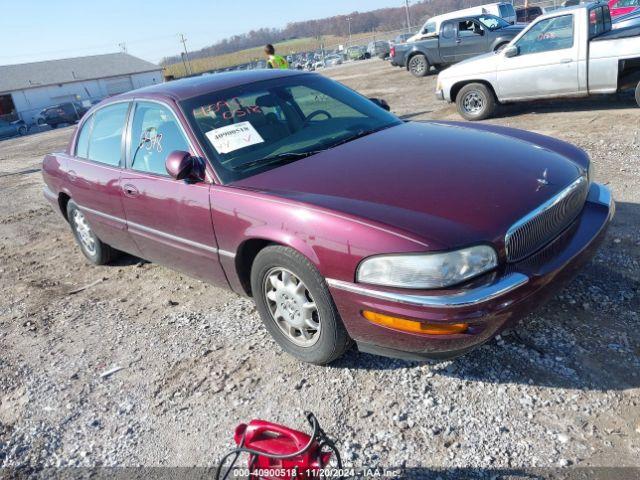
[[200, 65]]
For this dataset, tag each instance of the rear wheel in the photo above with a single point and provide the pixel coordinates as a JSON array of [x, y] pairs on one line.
[[638, 94], [22, 130], [96, 251], [53, 125], [475, 102], [418, 65], [296, 307]]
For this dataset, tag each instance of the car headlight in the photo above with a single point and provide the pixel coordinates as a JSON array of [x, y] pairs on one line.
[[427, 270]]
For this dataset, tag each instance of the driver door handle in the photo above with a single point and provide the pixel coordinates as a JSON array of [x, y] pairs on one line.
[[130, 191], [566, 60]]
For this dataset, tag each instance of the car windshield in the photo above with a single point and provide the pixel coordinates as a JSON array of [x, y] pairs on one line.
[[492, 22], [258, 126]]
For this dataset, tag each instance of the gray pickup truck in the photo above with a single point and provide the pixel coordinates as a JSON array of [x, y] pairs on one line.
[[456, 40]]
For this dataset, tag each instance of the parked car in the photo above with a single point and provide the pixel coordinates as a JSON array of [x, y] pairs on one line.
[[622, 7], [69, 113], [403, 37], [280, 185], [11, 129], [432, 26], [458, 39], [333, 60], [571, 52], [357, 52], [627, 20], [528, 14], [378, 49]]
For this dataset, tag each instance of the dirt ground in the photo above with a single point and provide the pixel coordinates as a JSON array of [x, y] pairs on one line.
[[562, 390]]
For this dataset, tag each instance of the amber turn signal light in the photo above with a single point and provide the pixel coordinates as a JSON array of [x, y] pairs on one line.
[[414, 326]]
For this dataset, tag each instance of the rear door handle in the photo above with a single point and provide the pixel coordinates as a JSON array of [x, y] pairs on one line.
[[566, 60], [458, 40], [72, 175], [130, 191]]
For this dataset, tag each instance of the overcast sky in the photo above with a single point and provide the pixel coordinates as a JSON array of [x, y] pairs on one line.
[[48, 29]]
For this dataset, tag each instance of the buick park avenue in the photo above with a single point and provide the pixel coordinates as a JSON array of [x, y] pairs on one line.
[[345, 224]]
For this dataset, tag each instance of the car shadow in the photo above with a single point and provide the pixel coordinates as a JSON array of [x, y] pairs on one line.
[[617, 101], [585, 338]]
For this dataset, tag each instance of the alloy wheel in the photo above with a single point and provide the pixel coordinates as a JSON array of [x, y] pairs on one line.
[[85, 235], [418, 64], [292, 307]]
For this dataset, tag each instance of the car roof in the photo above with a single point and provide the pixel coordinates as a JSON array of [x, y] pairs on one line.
[[194, 86]]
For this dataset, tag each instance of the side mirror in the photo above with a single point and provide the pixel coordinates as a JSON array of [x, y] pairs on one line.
[[381, 102], [182, 166], [511, 51]]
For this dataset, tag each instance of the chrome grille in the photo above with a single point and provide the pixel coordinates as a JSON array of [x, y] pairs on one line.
[[535, 230]]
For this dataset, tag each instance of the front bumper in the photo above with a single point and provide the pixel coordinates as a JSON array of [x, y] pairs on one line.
[[488, 304]]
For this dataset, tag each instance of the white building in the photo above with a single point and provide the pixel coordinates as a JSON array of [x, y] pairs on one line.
[[27, 88]]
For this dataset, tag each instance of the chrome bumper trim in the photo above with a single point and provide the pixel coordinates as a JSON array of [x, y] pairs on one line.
[[465, 298]]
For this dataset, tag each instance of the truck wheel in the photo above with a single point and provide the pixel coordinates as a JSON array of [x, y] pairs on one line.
[[92, 247], [638, 94], [475, 102], [296, 307], [419, 65]]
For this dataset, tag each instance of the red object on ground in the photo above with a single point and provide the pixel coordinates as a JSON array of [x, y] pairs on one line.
[[274, 439]]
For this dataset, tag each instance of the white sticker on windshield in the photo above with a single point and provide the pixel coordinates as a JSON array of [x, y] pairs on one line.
[[234, 137]]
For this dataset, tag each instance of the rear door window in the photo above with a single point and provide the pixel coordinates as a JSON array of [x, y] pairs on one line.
[[105, 144]]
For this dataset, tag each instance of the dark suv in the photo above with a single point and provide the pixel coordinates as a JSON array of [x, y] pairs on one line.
[[69, 112]]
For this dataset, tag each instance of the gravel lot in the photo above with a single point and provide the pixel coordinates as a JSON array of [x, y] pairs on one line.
[[563, 389]]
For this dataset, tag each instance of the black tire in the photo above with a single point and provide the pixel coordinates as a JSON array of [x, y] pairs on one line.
[[332, 338], [53, 125], [22, 130], [101, 253], [638, 94], [476, 101], [419, 65]]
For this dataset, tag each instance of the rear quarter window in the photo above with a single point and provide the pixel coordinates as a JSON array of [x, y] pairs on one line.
[[105, 142], [82, 144]]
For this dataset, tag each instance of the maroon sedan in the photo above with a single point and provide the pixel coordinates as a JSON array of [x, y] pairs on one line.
[[343, 222]]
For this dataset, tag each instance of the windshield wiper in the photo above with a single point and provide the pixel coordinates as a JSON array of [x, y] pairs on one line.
[[360, 134], [279, 159]]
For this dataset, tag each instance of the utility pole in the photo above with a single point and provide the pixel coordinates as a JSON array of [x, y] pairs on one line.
[[406, 8], [186, 54], [349, 21], [123, 47]]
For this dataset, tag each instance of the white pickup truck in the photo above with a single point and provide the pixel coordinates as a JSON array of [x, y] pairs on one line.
[[571, 52]]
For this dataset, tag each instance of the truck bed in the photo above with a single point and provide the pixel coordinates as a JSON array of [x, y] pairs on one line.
[[620, 33]]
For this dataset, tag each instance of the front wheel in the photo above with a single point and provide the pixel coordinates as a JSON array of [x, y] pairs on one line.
[[418, 65], [22, 130], [296, 307], [475, 102], [96, 251], [638, 94]]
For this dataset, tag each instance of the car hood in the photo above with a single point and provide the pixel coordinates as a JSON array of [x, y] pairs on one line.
[[485, 63], [447, 184], [512, 29]]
